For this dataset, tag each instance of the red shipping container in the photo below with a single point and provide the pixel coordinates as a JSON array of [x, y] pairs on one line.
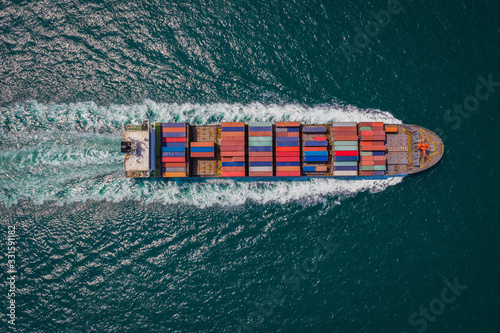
[[232, 153], [321, 168], [367, 158], [173, 139], [174, 165], [260, 153], [346, 138], [232, 124], [365, 124], [366, 133], [287, 153], [281, 149], [233, 159], [365, 173], [198, 154], [281, 134], [260, 133], [287, 124], [232, 148], [288, 159], [365, 162], [260, 159], [320, 138], [232, 169], [173, 129], [233, 174], [288, 174], [345, 128], [260, 173], [230, 134], [313, 148], [345, 153], [173, 159], [379, 162], [379, 158]]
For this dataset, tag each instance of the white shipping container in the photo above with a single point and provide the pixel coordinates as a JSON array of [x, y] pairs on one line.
[[261, 168], [345, 173]]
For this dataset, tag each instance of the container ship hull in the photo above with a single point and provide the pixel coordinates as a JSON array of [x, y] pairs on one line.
[[344, 150]]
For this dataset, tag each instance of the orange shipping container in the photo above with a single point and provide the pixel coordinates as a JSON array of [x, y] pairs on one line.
[[174, 174], [321, 168], [174, 165], [292, 134], [229, 134], [202, 144], [346, 138], [232, 159], [260, 174], [287, 124], [260, 133], [173, 129], [287, 168], [232, 124]]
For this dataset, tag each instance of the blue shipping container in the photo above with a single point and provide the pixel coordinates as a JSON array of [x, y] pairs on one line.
[[260, 163], [309, 168], [280, 138], [287, 163], [260, 148], [316, 153], [174, 135], [313, 129], [345, 168], [233, 164], [345, 158], [202, 149], [287, 144], [315, 159], [173, 125], [315, 143], [175, 144], [173, 154], [260, 129], [233, 129], [168, 149]]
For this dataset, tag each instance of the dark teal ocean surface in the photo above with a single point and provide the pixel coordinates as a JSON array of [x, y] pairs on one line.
[[95, 252]]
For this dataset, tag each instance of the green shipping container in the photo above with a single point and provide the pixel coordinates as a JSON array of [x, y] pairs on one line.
[[379, 167], [345, 143], [258, 124], [366, 167], [365, 128], [260, 144], [260, 139], [337, 163], [346, 148], [366, 153]]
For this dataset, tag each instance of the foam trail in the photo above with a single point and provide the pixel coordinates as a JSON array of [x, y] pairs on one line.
[[70, 153]]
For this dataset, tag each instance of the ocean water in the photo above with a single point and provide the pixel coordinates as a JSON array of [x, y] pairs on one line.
[[96, 252]]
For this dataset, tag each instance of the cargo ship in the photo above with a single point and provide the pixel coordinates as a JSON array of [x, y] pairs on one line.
[[348, 150]]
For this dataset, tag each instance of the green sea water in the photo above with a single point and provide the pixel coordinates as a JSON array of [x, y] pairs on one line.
[[96, 252]]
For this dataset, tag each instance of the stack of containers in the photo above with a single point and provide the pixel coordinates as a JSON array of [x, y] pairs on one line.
[[232, 149], [314, 149], [173, 150], [152, 149], [260, 149], [345, 149], [202, 149], [287, 149], [373, 160]]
